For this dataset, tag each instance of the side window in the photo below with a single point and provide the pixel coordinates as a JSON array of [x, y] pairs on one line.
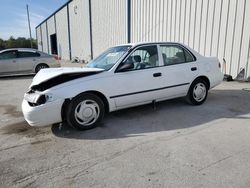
[[28, 54], [175, 55], [8, 55], [189, 57], [143, 58]]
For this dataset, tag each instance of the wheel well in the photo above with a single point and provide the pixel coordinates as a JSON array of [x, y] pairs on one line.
[[103, 98], [63, 109], [205, 79], [99, 94], [40, 64]]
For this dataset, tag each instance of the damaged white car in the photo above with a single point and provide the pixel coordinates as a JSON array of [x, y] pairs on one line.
[[123, 76]]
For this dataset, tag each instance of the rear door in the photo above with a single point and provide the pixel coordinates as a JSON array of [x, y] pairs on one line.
[[8, 62], [179, 69], [27, 60]]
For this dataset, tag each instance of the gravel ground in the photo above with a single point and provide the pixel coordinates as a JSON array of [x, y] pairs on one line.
[[174, 145]]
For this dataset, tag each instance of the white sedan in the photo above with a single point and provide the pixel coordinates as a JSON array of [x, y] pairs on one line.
[[123, 76]]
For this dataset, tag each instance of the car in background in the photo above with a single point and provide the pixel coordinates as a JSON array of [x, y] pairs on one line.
[[25, 60], [124, 76]]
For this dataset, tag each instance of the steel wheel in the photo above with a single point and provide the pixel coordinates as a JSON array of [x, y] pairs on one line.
[[87, 112], [199, 92]]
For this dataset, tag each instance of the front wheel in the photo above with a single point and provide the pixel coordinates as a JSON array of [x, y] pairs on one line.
[[198, 91], [85, 111]]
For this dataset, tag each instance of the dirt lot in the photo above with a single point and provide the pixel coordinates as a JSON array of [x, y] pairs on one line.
[[176, 145]]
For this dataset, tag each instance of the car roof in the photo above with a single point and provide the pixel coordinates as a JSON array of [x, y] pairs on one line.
[[195, 53], [154, 42], [20, 49]]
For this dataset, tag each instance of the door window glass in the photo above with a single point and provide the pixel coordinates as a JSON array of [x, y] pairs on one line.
[[8, 55], [175, 55], [143, 58], [189, 57]]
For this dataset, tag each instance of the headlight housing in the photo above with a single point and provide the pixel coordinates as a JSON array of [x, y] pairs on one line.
[[37, 100], [42, 99], [49, 97]]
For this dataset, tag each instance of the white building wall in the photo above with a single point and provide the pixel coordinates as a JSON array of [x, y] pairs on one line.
[[51, 30], [79, 29], [244, 55], [109, 24], [213, 28], [44, 37], [39, 39], [62, 34]]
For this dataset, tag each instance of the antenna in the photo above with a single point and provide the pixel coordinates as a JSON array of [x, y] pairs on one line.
[[28, 14]]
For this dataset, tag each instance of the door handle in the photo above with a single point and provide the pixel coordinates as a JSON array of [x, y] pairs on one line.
[[14, 61], [193, 68], [157, 74]]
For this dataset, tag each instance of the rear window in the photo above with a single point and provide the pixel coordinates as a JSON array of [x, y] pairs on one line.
[[28, 54]]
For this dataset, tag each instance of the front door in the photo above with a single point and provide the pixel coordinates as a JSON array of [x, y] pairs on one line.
[[8, 62], [140, 83]]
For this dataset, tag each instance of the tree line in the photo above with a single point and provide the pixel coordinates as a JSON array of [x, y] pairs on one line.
[[20, 42]]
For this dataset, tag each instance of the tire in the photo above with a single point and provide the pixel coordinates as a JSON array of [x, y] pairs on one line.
[[85, 111], [41, 66], [198, 91]]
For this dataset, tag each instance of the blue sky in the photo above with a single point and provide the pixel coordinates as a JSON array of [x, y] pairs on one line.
[[13, 16]]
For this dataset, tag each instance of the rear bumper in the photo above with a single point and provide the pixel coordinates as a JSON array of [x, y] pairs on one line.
[[42, 115], [217, 80]]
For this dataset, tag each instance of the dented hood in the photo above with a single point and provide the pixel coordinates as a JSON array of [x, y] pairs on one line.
[[46, 75]]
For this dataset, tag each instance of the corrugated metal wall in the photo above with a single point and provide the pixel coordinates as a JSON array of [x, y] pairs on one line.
[[79, 28], [44, 37], [62, 34], [39, 39], [213, 28], [51, 30], [109, 24]]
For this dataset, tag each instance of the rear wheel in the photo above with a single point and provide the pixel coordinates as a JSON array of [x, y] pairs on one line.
[[198, 91], [41, 66], [85, 111]]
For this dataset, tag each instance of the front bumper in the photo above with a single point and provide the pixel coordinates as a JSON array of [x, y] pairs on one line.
[[42, 115]]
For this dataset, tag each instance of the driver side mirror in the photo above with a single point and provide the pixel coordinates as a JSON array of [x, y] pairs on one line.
[[125, 67]]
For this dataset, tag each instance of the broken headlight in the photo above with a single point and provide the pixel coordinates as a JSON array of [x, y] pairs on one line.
[[36, 99]]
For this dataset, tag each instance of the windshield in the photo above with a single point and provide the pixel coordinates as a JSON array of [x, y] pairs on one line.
[[109, 58]]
